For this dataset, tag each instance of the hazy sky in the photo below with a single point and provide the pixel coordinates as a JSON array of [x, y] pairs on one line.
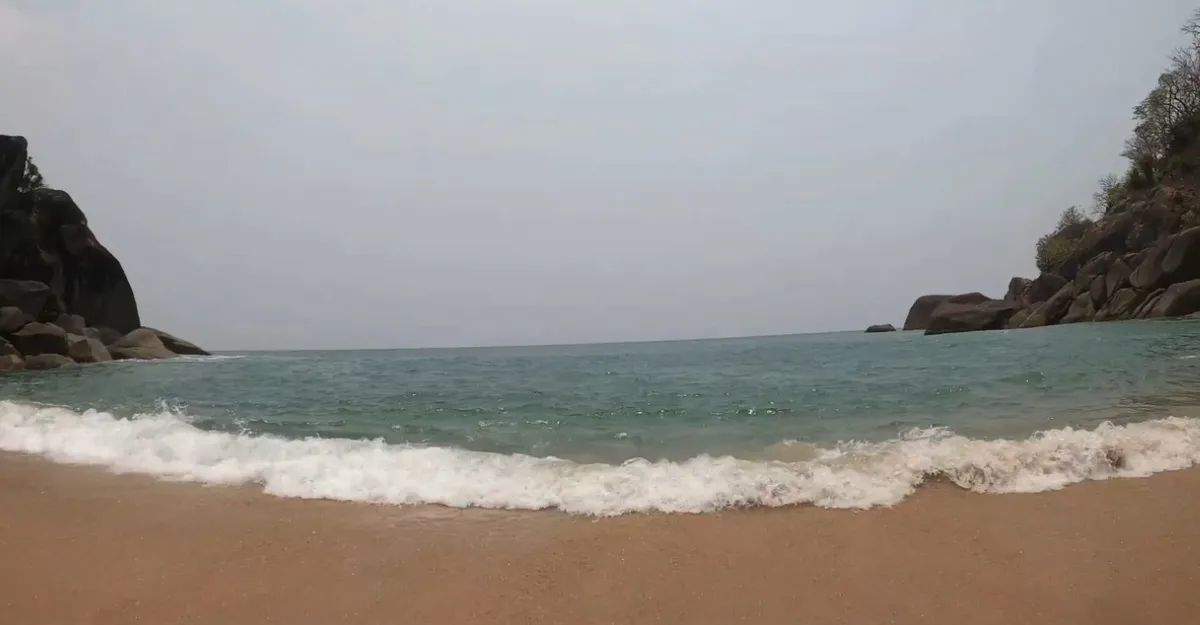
[[372, 173]]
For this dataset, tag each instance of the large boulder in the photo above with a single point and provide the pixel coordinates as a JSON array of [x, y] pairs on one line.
[[11, 362], [93, 283], [971, 317], [186, 348], [1098, 291], [922, 309], [1043, 288], [7, 349], [1121, 305], [1097, 266], [73, 324], [1082, 309], [12, 319], [41, 362], [1117, 277], [1149, 273], [141, 344], [1182, 260], [86, 350], [40, 338], [1016, 289], [27, 295], [1052, 309], [107, 336], [875, 329], [1181, 298], [1147, 305], [1018, 318]]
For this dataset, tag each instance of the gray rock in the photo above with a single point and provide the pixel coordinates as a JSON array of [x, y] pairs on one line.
[[1121, 305], [1149, 274], [1018, 318], [1016, 289], [1043, 288], [12, 319], [921, 312], [27, 295], [87, 350], [182, 347], [41, 362], [40, 338], [1181, 298], [73, 324], [1052, 309], [12, 362], [1081, 309], [1147, 305], [108, 336], [1117, 277], [141, 344], [954, 317]]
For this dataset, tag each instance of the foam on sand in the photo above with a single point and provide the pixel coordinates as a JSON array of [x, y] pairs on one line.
[[848, 475]]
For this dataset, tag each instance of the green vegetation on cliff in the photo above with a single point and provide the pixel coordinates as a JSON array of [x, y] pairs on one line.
[[1162, 155]]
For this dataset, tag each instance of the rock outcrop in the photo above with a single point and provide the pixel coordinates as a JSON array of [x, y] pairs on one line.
[[955, 315], [921, 312], [886, 327], [1142, 262], [64, 298]]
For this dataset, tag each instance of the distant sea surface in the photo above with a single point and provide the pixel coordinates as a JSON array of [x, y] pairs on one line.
[[836, 420]]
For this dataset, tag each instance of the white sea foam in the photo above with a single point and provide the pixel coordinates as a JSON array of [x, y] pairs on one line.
[[850, 475]]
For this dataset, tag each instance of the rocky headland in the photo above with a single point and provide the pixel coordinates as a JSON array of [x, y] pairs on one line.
[[64, 298], [1136, 255]]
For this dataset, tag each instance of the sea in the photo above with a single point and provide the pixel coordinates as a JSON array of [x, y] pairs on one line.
[[840, 420]]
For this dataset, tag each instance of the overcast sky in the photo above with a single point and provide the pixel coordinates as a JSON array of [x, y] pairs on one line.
[[372, 173]]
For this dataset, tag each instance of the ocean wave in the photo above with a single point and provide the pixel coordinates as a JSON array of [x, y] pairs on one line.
[[848, 475]]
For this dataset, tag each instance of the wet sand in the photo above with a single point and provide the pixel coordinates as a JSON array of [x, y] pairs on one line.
[[79, 545]]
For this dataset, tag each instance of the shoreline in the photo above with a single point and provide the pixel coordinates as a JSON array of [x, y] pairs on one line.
[[122, 548]]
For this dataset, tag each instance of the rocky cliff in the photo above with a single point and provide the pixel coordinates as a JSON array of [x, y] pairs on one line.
[[1138, 255], [64, 298]]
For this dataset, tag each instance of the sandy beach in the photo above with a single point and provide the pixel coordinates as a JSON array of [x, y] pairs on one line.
[[80, 545]]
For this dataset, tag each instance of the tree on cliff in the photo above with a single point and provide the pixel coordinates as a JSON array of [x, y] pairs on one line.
[[32, 180], [1059, 245]]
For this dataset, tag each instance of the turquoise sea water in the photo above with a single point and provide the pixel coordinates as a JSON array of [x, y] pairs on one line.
[[676, 426]]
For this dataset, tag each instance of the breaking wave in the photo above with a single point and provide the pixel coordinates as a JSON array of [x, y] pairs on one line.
[[847, 475]]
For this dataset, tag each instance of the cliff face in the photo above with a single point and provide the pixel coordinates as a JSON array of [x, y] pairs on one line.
[[64, 298], [46, 239]]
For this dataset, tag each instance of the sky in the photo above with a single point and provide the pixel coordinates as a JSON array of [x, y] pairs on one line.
[[307, 174]]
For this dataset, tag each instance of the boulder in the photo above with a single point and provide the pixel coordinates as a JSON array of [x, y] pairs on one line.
[[12, 319], [7, 349], [1182, 260], [1052, 309], [1121, 305], [40, 338], [1097, 266], [1098, 292], [108, 336], [922, 310], [1181, 298], [11, 362], [1018, 318], [971, 317], [186, 348], [1016, 289], [1082, 309], [1043, 288], [141, 344], [1149, 274], [1117, 277], [887, 327], [41, 362], [86, 350], [27, 295], [73, 324], [1147, 305]]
